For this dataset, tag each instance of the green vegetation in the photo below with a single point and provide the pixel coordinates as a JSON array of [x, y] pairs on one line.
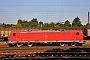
[[77, 22], [67, 23], [34, 23]]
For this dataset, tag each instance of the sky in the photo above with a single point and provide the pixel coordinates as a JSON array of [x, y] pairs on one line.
[[44, 10]]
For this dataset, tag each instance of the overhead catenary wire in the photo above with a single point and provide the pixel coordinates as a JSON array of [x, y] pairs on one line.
[[45, 5], [48, 13]]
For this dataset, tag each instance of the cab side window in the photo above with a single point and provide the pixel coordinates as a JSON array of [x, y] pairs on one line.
[[77, 33], [14, 34]]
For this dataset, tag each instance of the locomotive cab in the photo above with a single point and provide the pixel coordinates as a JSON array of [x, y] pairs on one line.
[[13, 38], [78, 38]]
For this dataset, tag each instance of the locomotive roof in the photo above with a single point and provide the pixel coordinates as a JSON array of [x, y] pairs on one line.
[[46, 30]]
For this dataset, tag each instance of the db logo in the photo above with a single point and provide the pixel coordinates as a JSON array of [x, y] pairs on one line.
[[46, 36]]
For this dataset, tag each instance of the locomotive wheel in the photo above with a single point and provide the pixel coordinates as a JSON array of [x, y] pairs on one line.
[[13, 44], [30, 45], [62, 44], [73, 44], [19, 44], [57, 44]]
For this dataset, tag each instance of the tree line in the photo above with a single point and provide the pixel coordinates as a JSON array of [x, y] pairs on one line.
[[34, 23]]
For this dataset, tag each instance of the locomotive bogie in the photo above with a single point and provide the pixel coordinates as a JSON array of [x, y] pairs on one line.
[[61, 43]]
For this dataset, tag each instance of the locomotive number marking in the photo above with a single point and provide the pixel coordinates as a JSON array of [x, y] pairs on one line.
[[46, 36]]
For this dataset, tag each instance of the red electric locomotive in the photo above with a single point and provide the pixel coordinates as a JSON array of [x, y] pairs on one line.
[[62, 38]]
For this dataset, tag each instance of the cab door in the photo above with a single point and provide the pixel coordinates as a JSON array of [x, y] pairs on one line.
[[18, 36]]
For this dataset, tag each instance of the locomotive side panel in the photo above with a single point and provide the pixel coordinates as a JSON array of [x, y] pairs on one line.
[[27, 36], [39, 36], [46, 36], [65, 36]]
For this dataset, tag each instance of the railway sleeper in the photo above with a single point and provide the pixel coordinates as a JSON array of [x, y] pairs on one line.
[[64, 54]]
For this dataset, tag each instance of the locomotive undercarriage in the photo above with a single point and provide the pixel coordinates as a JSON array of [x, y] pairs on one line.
[[72, 43]]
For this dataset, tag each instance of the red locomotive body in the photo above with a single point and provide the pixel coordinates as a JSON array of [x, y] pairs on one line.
[[73, 37]]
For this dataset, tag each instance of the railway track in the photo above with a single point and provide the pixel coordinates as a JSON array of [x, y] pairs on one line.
[[44, 52], [54, 53]]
